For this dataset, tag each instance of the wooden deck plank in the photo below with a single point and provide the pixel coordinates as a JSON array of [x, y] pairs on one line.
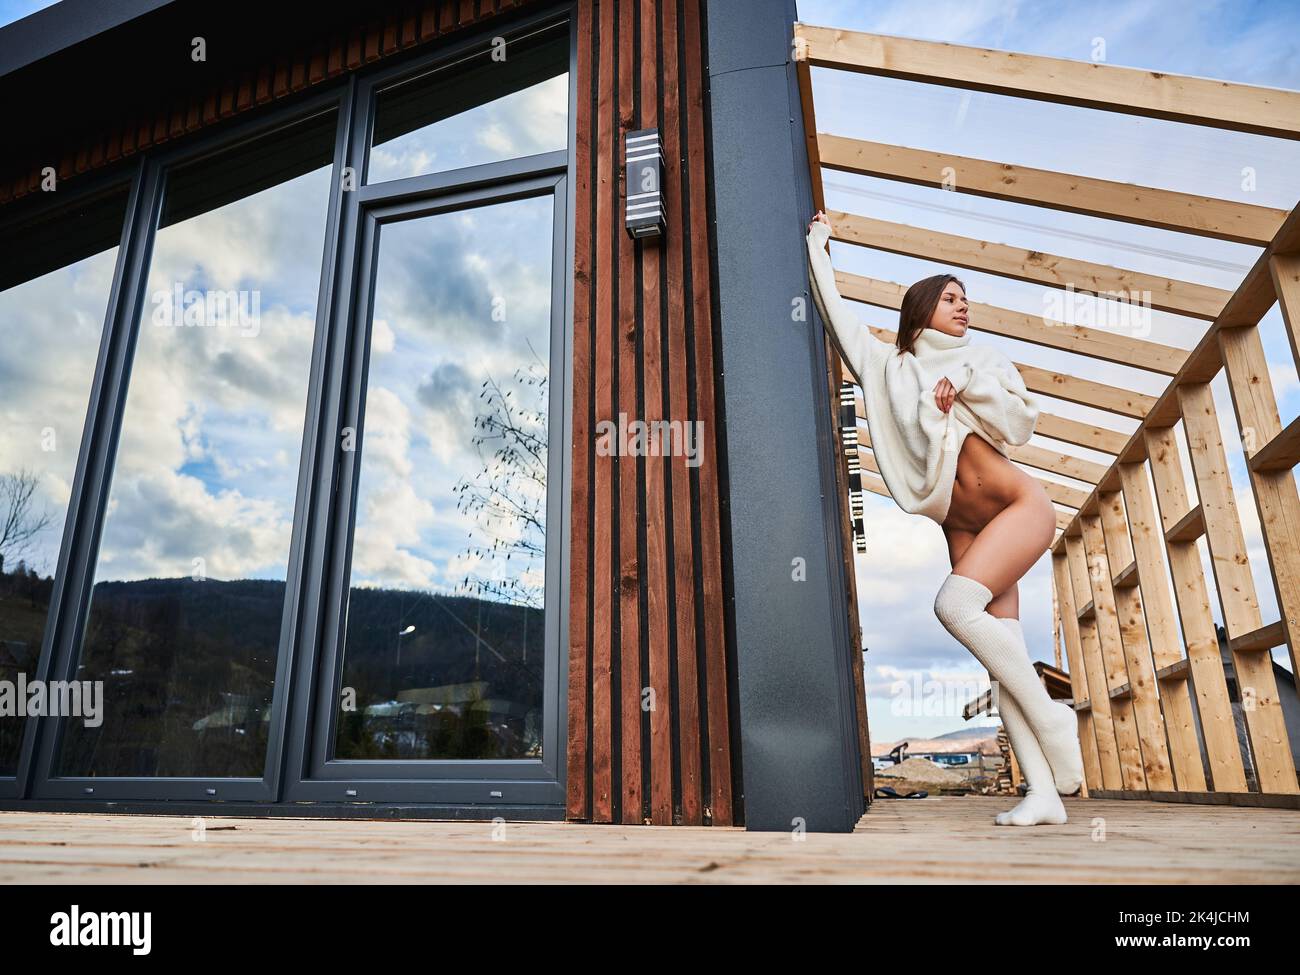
[[937, 840]]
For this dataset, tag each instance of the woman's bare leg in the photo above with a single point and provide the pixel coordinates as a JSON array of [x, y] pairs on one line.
[[998, 557], [1006, 604], [1042, 804], [1010, 544]]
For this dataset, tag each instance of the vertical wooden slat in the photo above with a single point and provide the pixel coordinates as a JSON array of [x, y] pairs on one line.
[[1103, 723], [604, 581], [661, 717], [710, 516], [687, 704], [1256, 685], [629, 515], [1218, 731], [580, 596], [1112, 650], [1056, 630], [1284, 269], [262, 84], [298, 72], [628, 510], [429, 18], [389, 34], [1166, 649], [1078, 676], [1276, 499], [1137, 648], [280, 78]]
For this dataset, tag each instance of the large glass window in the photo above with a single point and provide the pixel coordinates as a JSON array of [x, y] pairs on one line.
[[185, 616], [444, 652], [55, 278], [510, 100]]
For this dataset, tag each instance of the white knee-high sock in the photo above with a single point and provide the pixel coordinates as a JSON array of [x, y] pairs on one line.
[[960, 607], [1041, 804], [1007, 703]]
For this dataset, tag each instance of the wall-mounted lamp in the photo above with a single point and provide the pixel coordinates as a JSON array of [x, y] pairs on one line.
[[644, 159]]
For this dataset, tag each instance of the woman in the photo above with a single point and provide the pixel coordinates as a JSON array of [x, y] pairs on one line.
[[924, 397]]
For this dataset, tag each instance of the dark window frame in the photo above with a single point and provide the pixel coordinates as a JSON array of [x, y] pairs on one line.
[[307, 629], [98, 185]]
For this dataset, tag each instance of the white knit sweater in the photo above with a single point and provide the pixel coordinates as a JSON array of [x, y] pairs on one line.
[[914, 442]]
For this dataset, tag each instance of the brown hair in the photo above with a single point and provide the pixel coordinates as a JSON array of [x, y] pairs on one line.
[[918, 307]]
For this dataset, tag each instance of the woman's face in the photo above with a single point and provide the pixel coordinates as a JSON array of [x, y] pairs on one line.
[[951, 313]]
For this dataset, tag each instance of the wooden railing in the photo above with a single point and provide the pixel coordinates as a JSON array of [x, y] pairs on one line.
[[1156, 715]]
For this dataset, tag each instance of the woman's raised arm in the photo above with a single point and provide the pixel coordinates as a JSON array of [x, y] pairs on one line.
[[853, 339]]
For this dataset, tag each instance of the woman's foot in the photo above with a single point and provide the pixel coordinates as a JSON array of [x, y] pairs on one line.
[[1036, 809], [1060, 745], [1068, 773]]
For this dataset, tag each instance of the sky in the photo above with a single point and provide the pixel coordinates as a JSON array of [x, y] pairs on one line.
[[918, 678], [11, 10]]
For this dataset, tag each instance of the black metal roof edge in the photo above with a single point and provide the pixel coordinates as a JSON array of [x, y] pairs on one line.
[[64, 25]]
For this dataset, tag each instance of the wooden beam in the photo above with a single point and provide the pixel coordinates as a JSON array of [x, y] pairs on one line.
[[875, 485], [1146, 206], [1056, 462], [1166, 648], [1281, 453], [1265, 722], [1060, 493], [1265, 638], [1284, 271], [1102, 711], [1080, 434], [1063, 495], [1109, 88], [1073, 389], [1218, 726], [1096, 343], [1129, 610], [1248, 304], [1086, 392], [1136, 292], [1069, 431], [1276, 499], [1074, 654], [1112, 649], [1188, 528]]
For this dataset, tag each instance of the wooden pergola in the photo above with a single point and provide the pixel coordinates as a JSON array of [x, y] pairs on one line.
[[1134, 607]]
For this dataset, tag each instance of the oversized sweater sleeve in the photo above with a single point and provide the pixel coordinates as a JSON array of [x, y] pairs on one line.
[[992, 388], [856, 345]]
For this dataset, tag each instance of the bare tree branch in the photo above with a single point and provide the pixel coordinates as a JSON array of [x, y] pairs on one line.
[[514, 429], [20, 522]]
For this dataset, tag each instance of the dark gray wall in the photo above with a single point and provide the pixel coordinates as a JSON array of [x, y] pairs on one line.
[[796, 694]]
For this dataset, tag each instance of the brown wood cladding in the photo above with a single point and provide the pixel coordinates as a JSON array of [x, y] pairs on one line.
[[646, 607], [319, 59], [647, 601]]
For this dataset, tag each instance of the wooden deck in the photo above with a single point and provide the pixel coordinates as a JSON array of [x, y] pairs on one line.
[[938, 840]]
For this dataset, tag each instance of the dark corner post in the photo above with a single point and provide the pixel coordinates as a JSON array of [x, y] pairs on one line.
[[796, 693]]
